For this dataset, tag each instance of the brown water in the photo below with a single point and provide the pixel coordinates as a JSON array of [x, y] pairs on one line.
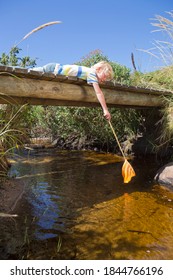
[[76, 206]]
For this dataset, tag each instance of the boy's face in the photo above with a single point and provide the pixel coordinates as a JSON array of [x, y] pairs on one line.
[[101, 76]]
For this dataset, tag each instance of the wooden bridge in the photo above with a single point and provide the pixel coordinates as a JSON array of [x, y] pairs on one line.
[[20, 86]]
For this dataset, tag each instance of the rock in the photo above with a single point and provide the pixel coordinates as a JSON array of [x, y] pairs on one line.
[[164, 175]]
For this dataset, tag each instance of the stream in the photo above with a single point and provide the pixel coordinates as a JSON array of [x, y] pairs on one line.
[[76, 206]]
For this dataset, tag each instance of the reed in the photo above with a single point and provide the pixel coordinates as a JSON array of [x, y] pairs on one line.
[[164, 51], [11, 134], [59, 244], [166, 123], [36, 30], [161, 79]]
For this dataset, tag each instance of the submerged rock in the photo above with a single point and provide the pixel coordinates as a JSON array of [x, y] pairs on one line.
[[164, 175]]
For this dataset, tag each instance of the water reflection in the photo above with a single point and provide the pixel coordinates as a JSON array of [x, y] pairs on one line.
[[76, 206]]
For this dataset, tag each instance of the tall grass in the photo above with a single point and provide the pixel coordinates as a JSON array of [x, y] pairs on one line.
[[166, 123], [164, 52], [11, 133], [161, 79], [163, 49]]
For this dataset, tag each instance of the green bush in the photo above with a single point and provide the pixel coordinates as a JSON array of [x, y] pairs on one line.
[[122, 73]]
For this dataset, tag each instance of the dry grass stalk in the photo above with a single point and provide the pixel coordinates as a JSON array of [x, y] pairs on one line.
[[163, 50], [163, 23], [37, 29]]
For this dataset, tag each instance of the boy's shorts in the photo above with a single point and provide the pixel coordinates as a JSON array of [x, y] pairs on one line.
[[50, 67]]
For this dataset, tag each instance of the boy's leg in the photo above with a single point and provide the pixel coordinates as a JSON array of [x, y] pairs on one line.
[[50, 67], [39, 69]]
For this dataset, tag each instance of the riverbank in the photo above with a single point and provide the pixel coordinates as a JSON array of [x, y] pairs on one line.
[[11, 191]]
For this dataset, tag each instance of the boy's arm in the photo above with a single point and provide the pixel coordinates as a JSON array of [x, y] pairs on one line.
[[101, 99]]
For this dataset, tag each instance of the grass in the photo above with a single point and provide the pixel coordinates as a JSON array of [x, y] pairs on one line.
[[11, 133], [166, 122], [161, 79]]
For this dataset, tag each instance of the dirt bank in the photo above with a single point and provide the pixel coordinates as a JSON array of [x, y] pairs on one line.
[[11, 191]]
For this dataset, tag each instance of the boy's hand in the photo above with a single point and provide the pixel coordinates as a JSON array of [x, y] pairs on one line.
[[107, 115]]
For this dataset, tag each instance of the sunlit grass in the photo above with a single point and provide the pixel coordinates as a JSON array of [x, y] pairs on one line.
[[161, 79]]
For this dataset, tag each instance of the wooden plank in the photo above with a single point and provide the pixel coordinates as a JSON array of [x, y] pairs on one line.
[[5, 68], [66, 93], [45, 102], [50, 76], [23, 86]]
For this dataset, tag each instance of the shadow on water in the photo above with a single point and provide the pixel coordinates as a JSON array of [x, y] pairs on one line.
[[76, 206]]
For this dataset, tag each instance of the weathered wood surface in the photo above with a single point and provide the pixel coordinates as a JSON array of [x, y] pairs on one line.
[[20, 86]]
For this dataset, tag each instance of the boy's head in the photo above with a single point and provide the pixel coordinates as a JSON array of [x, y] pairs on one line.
[[104, 71]]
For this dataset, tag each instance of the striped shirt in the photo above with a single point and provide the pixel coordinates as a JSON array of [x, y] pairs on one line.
[[81, 72]]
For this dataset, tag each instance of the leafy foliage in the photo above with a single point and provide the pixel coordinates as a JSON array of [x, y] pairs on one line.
[[12, 59], [122, 73]]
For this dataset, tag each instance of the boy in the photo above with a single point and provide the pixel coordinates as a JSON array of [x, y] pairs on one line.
[[98, 73]]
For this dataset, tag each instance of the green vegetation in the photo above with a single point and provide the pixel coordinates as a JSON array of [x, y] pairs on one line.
[[85, 127], [12, 132], [13, 127], [122, 73], [161, 79], [12, 59]]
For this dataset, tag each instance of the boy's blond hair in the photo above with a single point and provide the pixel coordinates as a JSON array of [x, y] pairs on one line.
[[105, 68]]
